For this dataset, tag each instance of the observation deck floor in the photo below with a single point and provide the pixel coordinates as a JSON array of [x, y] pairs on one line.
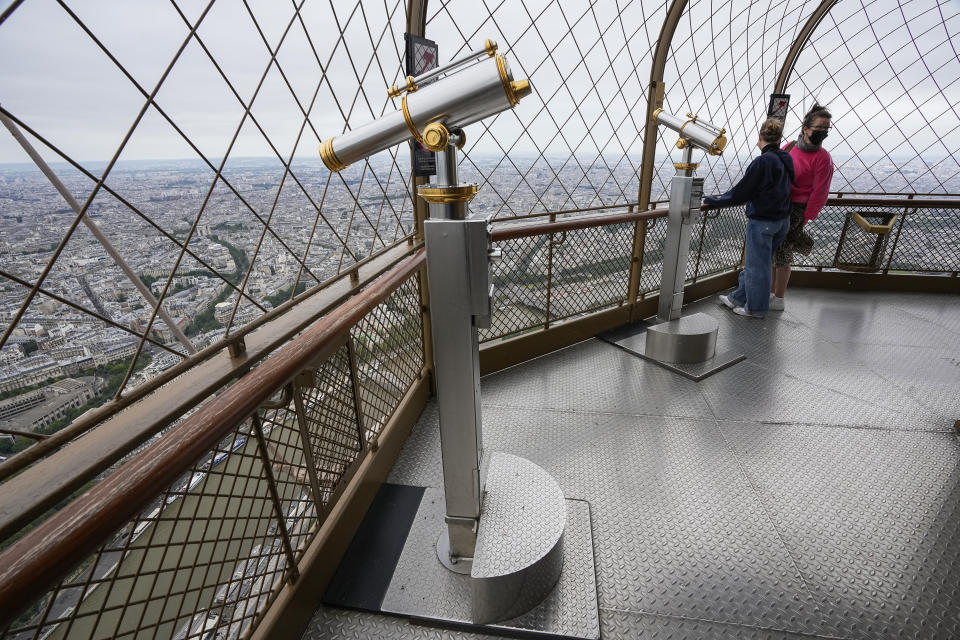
[[812, 490]]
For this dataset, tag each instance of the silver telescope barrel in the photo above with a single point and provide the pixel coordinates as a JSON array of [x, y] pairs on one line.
[[489, 49], [454, 101], [700, 134]]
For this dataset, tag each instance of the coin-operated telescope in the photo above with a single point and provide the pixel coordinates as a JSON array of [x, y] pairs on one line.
[[687, 343], [434, 109], [693, 134], [471, 88]]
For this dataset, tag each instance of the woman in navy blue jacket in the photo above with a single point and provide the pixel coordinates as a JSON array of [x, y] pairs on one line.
[[765, 187]]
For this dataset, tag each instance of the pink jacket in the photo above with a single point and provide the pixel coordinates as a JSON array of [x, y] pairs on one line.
[[814, 171]]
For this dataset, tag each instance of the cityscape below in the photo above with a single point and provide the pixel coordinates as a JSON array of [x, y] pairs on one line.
[[71, 349]]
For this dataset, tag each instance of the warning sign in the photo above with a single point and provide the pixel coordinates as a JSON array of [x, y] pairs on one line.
[[422, 56], [778, 105]]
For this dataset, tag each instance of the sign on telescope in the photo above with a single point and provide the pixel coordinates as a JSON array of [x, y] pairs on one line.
[[422, 56]]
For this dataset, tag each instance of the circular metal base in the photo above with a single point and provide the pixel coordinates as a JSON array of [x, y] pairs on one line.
[[462, 566], [689, 339]]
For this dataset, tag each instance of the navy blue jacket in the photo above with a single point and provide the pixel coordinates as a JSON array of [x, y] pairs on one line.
[[765, 186]]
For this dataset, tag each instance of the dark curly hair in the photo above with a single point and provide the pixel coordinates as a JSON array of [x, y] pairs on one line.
[[816, 111]]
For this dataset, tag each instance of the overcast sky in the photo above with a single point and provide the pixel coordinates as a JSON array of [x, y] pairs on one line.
[[56, 79]]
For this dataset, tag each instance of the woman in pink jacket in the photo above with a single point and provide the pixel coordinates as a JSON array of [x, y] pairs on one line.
[[814, 171]]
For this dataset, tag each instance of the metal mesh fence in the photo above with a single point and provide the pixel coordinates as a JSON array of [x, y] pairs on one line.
[[576, 141], [545, 278], [212, 551], [591, 270], [388, 355], [921, 240], [520, 291], [716, 245], [205, 554], [190, 145], [651, 273]]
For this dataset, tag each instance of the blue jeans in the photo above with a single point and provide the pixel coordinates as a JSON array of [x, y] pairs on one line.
[[763, 237]]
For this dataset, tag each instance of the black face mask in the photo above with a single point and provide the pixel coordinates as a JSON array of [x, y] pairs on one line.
[[817, 137]]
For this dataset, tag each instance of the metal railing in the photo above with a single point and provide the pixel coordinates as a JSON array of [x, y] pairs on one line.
[[924, 236], [570, 268], [574, 267], [200, 531]]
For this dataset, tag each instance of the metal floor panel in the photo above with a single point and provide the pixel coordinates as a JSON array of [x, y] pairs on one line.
[[812, 489], [871, 518], [594, 376], [617, 624], [757, 393]]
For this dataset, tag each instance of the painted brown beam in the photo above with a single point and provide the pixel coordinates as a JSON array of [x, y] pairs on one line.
[[569, 224]]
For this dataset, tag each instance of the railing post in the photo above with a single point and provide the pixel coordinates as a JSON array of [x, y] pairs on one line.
[[546, 319], [636, 263], [275, 496], [357, 405], [896, 238], [703, 230], [426, 328], [305, 440], [636, 260]]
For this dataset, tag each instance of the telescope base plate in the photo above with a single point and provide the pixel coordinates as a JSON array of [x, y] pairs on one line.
[[634, 340], [429, 593]]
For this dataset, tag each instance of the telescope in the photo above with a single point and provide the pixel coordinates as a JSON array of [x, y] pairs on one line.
[[434, 109], [475, 86], [693, 132]]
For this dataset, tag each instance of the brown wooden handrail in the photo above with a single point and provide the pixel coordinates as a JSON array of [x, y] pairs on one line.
[[35, 563], [569, 224], [896, 203]]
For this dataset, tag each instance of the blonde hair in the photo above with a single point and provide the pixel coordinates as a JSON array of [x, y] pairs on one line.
[[771, 130]]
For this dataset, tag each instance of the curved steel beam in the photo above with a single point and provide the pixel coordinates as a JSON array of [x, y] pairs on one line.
[[417, 17], [801, 41], [654, 101], [655, 98]]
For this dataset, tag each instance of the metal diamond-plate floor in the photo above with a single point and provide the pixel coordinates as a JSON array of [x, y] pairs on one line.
[[812, 490]]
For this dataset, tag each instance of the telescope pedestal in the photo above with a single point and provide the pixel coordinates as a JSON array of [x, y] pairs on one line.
[[683, 345], [423, 590], [501, 542], [684, 340]]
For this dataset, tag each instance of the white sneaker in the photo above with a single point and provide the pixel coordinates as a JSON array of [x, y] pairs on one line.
[[727, 302], [740, 311], [776, 304]]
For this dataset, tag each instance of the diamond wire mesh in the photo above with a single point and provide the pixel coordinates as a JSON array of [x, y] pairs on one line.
[[519, 279], [890, 73], [724, 59], [205, 552], [330, 421], [921, 240], [389, 355], [211, 87], [207, 555], [716, 244], [591, 270], [651, 271], [927, 241], [576, 141]]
